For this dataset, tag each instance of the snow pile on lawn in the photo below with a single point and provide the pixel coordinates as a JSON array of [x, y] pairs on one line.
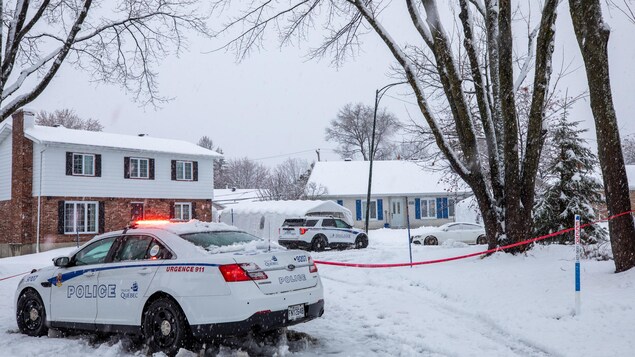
[[503, 305]]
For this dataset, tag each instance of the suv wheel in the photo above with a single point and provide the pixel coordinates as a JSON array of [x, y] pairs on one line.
[[318, 243], [361, 241]]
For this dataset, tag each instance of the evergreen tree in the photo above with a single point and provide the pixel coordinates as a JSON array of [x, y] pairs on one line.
[[571, 187]]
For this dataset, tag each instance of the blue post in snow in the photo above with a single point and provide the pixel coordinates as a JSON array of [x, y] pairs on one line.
[[577, 264], [408, 224]]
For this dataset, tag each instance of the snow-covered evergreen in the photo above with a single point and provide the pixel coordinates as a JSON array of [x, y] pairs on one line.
[[572, 188]]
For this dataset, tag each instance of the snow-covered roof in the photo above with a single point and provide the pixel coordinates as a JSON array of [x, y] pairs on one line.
[[287, 208], [62, 135], [391, 177], [630, 173], [227, 196]]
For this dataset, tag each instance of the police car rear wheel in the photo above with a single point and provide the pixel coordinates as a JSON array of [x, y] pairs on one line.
[[164, 326], [31, 316], [482, 239]]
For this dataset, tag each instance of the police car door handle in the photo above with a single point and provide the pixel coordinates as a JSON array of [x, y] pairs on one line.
[[144, 271], [89, 273]]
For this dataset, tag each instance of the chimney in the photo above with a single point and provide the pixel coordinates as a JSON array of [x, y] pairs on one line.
[[22, 182]]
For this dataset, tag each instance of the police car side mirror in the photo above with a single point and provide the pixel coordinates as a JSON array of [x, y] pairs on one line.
[[62, 262]]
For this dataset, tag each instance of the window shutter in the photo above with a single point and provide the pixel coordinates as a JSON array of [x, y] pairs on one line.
[[358, 210], [439, 207], [195, 170], [151, 169], [173, 170], [69, 163], [97, 165], [417, 208], [126, 167], [340, 202], [102, 217], [380, 209], [172, 208], [194, 210], [60, 217]]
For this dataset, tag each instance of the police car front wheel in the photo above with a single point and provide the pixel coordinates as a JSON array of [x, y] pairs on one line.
[[30, 314], [164, 327]]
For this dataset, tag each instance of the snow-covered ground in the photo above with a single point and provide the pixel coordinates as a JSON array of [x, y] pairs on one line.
[[499, 306]]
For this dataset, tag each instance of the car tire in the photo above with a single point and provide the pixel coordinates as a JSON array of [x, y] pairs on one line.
[[482, 239], [431, 240], [31, 314], [361, 241], [319, 243], [165, 328]]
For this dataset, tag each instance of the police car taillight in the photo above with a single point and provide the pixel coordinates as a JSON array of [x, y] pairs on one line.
[[303, 230], [242, 272], [312, 266]]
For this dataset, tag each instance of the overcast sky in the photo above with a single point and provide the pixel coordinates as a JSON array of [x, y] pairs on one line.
[[277, 103]]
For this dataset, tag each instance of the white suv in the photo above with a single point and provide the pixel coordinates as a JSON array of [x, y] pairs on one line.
[[317, 233]]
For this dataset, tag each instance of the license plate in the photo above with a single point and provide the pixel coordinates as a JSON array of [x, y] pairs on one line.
[[296, 312]]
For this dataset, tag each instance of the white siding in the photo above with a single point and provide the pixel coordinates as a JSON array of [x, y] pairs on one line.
[[112, 182], [5, 168]]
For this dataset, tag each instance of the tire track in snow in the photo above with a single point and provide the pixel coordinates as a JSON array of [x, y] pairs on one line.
[[435, 302]]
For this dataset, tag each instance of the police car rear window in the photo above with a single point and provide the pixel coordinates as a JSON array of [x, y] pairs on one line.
[[214, 239]]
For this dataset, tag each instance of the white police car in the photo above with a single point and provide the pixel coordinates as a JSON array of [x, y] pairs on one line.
[[170, 281], [317, 233]]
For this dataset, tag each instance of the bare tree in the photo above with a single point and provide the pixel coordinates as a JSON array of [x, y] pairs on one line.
[[68, 119], [352, 131], [117, 41], [628, 147], [245, 173], [287, 181], [593, 36], [220, 164], [467, 76]]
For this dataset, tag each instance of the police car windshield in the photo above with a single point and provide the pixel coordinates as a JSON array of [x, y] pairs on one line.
[[208, 240]]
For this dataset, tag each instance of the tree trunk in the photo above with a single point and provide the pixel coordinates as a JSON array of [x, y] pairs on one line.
[[593, 36]]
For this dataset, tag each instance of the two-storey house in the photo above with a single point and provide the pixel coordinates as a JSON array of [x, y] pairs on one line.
[[59, 186]]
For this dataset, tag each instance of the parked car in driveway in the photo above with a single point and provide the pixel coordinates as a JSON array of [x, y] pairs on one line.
[[168, 282], [470, 233], [318, 233]]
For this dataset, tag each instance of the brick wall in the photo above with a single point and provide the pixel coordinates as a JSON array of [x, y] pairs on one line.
[[117, 214]]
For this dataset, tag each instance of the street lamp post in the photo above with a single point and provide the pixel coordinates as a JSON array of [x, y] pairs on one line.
[[379, 93]]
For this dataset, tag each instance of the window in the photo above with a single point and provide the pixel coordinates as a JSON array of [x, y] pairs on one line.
[[373, 209], [451, 203], [139, 168], [183, 211], [184, 170], [341, 224], [133, 248], [95, 253], [328, 222], [83, 164], [428, 208], [80, 217]]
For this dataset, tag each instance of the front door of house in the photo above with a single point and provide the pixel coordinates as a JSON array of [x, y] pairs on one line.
[[136, 212], [397, 212]]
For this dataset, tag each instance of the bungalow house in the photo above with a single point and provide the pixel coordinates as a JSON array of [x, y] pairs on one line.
[[401, 191], [59, 186]]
